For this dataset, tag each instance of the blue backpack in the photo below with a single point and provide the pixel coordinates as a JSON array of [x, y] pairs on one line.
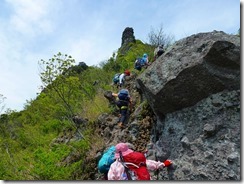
[[123, 95], [138, 63], [106, 160], [116, 78]]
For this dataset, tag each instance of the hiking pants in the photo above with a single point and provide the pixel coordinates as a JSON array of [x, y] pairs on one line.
[[123, 113]]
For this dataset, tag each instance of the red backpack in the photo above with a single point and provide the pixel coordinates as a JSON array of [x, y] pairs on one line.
[[138, 159]]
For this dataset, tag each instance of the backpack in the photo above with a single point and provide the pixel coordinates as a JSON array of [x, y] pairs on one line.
[[138, 64], [116, 78], [132, 168], [140, 172], [106, 160], [160, 51], [123, 99], [123, 95], [128, 174]]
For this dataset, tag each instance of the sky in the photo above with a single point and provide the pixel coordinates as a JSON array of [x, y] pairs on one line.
[[91, 31]]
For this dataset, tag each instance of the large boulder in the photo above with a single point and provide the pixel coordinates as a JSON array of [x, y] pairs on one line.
[[191, 70]]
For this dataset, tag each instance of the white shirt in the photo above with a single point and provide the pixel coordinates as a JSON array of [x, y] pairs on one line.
[[121, 78]]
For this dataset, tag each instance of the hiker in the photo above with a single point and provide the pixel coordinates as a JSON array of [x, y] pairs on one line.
[[119, 79], [123, 102], [141, 62], [158, 51], [132, 165], [145, 60]]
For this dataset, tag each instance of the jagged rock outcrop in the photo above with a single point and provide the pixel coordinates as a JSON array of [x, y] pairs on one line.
[[194, 90], [128, 36]]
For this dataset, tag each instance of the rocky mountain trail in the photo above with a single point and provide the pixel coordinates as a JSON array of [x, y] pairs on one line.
[[186, 108]]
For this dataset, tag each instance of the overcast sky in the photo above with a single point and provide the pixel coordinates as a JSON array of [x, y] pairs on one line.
[[90, 31]]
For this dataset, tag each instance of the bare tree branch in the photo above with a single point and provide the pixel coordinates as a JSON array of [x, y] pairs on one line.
[[157, 37]]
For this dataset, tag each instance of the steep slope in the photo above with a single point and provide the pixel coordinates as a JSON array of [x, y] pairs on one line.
[[188, 109]]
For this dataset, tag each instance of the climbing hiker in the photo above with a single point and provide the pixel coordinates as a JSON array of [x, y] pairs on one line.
[[132, 165], [145, 60], [141, 62], [119, 78], [123, 102], [107, 159], [158, 51], [138, 64]]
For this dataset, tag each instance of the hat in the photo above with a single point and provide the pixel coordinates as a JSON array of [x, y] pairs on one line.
[[127, 72], [145, 55], [123, 148]]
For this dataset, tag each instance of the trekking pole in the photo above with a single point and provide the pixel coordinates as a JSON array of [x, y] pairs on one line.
[[126, 168]]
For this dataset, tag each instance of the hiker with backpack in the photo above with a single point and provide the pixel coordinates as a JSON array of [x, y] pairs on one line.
[[119, 78], [108, 157], [132, 165], [158, 51], [123, 102], [141, 62]]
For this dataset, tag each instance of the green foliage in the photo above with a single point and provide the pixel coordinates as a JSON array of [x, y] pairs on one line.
[[126, 57], [55, 67], [55, 76], [52, 164], [78, 69], [51, 126], [111, 65], [47, 165], [135, 50], [28, 150]]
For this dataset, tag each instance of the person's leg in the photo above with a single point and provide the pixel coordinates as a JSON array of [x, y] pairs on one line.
[[122, 118]]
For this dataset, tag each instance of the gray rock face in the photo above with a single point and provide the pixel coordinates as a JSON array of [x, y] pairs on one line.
[[191, 70], [205, 138], [194, 90]]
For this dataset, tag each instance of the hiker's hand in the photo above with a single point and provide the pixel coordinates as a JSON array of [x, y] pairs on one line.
[[167, 163]]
